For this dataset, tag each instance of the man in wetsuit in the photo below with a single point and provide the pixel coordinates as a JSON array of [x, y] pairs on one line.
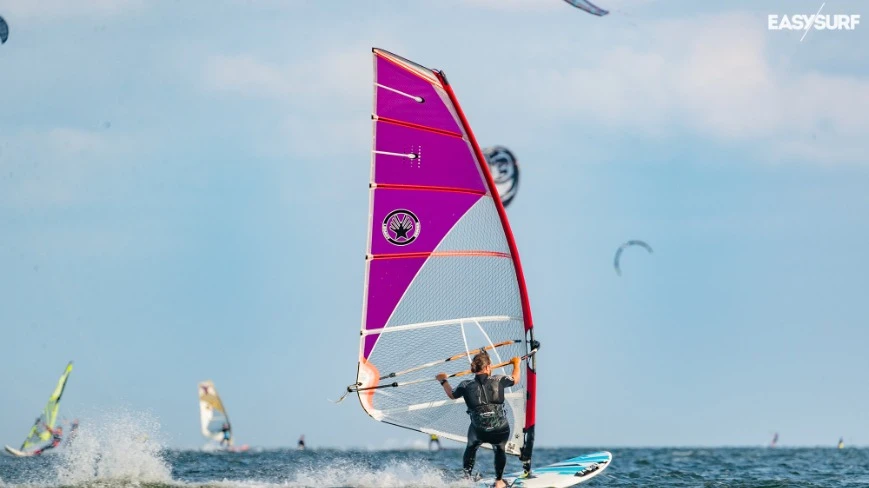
[[227, 435], [56, 437], [484, 396]]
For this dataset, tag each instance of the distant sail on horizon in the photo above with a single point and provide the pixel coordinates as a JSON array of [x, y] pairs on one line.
[[38, 433], [212, 414]]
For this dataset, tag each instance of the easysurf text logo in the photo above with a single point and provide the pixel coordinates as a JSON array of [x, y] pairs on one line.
[[818, 21]]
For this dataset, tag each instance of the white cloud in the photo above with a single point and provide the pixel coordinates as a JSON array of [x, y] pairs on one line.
[[713, 76], [336, 76], [717, 77], [324, 102]]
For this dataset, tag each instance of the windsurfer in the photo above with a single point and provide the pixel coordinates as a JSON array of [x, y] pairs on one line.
[[56, 437], [301, 444], [227, 435], [434, 444], [484, 396]]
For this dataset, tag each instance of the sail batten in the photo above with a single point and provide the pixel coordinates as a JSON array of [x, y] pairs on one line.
[[440, 323], [442, 270], [388, 186], [412, 125], [442, 403]]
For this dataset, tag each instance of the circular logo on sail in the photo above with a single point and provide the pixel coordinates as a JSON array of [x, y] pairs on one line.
[[401, 227]]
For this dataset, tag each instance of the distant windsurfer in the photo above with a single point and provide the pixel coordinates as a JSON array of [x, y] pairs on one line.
[[227, 435], [301, 444], [484, 396], [56, 438], [434, 444], [841, 444]]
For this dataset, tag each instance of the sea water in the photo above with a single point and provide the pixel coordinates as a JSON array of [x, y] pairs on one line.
[[127, 453]]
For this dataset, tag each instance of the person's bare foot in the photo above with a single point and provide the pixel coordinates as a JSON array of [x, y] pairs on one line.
[[500, 484]]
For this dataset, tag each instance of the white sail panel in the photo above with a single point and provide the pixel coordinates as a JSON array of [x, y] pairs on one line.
[[212, 414]]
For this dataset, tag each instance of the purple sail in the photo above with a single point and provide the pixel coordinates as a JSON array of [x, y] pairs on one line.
[[442, 277]]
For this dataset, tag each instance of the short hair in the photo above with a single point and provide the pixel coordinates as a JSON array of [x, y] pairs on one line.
[[480, 361]]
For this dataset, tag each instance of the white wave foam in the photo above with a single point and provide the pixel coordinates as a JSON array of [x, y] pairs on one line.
[[398, 474], [119, 445]]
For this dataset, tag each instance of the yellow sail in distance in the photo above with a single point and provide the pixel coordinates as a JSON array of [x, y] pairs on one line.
[[212, 414]]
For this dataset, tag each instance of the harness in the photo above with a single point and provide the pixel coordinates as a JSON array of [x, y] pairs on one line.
[[488, 416]]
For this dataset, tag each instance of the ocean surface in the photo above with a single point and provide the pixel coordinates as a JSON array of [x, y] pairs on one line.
[[142, 463]]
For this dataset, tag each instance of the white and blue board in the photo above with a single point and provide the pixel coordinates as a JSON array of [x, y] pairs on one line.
[[17, 453], [560, 475]]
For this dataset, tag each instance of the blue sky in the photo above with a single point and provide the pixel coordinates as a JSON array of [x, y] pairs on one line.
[[183, 196]]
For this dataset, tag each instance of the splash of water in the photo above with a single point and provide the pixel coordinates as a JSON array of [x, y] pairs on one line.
[[396, 474], [119, 446]]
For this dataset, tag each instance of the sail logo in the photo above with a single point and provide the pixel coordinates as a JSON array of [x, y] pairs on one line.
[[401, 227], [818, 21]]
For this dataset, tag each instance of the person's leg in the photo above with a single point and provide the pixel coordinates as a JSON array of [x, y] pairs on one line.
[[470, 456], [498, 440], [500, 460], [42, 449]]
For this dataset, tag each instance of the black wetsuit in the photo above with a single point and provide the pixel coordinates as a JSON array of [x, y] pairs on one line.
[[484, 396], [56, 437]]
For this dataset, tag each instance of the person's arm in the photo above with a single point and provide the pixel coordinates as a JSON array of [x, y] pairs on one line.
[[517, 370], [442, 377]]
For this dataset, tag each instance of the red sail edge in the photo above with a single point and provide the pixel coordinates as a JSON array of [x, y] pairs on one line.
[[531, 403]]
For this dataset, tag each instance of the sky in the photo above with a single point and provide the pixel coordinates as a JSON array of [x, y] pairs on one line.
[[184, 196]]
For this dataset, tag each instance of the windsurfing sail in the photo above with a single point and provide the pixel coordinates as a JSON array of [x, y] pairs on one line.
[[212, 414], [443, 278], [38, 433]]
